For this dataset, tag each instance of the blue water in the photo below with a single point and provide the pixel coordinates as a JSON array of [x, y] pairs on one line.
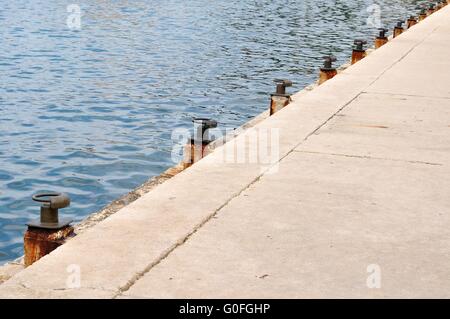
[[90, 112]]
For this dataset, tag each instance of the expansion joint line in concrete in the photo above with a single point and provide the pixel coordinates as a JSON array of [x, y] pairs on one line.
[[406, 95], [165, 254], [370, 157], [24, 286]]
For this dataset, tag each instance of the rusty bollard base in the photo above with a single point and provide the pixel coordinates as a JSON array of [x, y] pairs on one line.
[[49, 231], [358, 55], [381, 39], [39, 242], [411, 22], [326, 74], [398, 29], [359, 51], [397, 32], [280, 98], [196, 148], [379, 42], [278, 101], [193, 152]]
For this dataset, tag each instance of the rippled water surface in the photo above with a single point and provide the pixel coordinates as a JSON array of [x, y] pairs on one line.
[[90, 112]]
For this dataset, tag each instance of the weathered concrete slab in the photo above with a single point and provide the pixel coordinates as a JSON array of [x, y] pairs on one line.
[[388, 126], [423, 71], [313, 229], [363, 166], [424, 79]]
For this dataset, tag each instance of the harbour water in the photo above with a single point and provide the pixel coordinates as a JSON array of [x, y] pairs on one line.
[[90, 111]]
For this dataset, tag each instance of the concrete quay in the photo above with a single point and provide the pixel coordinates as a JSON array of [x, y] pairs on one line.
[[357, 203]]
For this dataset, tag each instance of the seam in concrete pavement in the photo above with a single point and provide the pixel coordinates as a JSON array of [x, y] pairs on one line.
[[371, 158], [24, 286], [84, 288], [407, 95], [176, 245]]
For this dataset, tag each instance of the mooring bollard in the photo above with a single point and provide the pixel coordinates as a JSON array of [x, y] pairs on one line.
[[280, 99], [49, 232], [381, 39], [431, 9], [359, 52], [422, 14], [195, 148], [398, 29], [327, 72], [411, 21]]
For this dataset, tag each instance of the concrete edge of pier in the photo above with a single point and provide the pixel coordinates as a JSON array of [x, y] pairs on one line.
[[116, 253]]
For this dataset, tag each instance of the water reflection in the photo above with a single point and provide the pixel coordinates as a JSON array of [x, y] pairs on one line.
[[90, 112]]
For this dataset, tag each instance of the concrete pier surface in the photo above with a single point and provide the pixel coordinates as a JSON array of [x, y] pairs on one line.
[[356, 205]]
